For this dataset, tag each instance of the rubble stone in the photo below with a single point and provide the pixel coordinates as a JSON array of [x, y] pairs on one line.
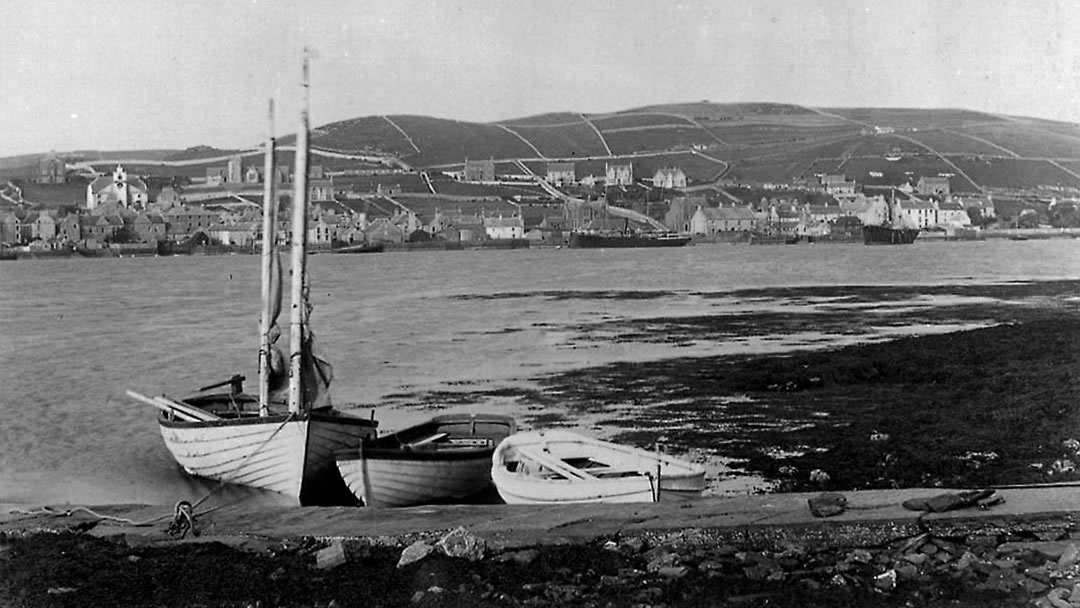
[[461, 543], [414, 553]]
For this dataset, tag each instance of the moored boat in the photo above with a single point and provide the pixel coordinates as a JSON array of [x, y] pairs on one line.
[[557, 466], [361, 248], [268, 442], [280, 452], [445, 458], [889, 235], [598, 240]]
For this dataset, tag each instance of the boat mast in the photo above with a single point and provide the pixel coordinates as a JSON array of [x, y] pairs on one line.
[[268, 243], [298, 312]]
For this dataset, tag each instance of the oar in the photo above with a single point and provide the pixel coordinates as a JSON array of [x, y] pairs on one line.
[[185, 412]]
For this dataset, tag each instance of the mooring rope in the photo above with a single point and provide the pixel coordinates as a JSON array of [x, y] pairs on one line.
[[183, 515]]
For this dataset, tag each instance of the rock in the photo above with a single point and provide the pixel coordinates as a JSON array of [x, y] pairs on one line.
[[827, 504], [416, 597], [907, 572], [1040, 573], [672, 571], [916, 558], [1002, 580], [414, 553], [1051, 534], [462, 544], [330, 557], [61, 590], [1056, 597], [886, 581], [709, 565], [633, 545], [1034, 587], [660, 561], [965, 561], [982, 540], [759, 572], [1005, 564], [1069, 556], [522, 558], [861, 556]]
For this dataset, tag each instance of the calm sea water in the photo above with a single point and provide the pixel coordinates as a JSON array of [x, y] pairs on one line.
[[76, 333]]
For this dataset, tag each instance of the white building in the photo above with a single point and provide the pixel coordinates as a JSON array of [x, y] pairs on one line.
[[129, 192], [504, 227]]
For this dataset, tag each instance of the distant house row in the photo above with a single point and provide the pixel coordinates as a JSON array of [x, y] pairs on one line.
[[234, 172], [694, 215], [564, 173]]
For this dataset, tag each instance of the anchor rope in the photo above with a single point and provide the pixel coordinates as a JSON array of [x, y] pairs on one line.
[[183, 515]]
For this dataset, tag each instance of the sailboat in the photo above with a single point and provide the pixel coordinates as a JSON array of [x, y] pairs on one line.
[[286, 446]]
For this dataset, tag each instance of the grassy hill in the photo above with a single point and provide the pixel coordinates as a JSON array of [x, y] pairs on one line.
[[762, 142]]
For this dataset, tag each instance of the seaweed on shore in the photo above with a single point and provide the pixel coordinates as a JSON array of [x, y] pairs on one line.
[[998, 405]]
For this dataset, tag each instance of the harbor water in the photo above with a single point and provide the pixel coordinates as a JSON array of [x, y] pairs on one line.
[[404, 332]]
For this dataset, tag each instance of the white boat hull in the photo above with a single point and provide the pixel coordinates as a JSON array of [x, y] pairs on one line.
[[557, 466], [443, 459], [280, 453]]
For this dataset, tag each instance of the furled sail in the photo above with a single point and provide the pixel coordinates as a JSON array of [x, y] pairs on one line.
[[316, 373], [279, 371]]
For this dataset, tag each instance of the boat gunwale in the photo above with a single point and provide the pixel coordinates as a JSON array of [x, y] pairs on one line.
[[390, 447], [165, 421]]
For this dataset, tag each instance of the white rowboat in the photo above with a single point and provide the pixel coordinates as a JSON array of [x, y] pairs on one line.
[[556, 466], [446, 458]]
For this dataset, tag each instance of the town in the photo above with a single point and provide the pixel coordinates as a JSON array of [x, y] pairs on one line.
[[67, 206]]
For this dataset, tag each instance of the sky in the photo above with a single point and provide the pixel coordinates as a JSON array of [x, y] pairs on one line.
[[141, 74]]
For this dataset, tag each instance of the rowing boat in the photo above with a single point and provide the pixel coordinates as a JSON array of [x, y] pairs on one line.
[[557, 466], [443, 459]]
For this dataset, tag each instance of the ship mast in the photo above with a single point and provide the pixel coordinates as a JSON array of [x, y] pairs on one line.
[[269, 241], [298, 313]]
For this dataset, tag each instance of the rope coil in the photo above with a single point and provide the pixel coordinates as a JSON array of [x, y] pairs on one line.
[[183, 520]]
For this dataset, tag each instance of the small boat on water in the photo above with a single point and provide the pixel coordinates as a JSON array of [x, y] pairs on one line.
[[361, 248], [446, 458], [889, 235], [268, 441], [601, 240], [556, 466]]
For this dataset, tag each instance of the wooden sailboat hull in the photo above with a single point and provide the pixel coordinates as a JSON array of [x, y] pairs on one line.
[[289, 454], [443, 459], [557, 466]]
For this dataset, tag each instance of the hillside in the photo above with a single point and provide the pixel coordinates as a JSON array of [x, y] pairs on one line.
[[743, 142]]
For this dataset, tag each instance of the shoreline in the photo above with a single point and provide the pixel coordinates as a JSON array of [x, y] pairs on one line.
[[755, 550]]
